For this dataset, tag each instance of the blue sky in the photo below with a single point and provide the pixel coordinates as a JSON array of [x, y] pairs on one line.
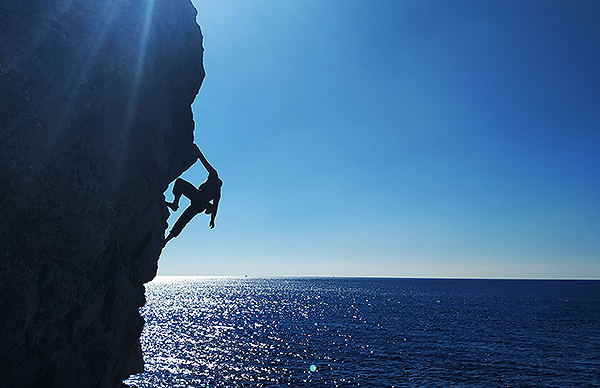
[[390, 138]]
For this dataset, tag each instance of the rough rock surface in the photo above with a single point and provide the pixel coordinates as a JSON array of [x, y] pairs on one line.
[[95, 121]]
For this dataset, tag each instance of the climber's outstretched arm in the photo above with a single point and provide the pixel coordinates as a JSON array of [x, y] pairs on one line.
[[214, 212], [205, 163]]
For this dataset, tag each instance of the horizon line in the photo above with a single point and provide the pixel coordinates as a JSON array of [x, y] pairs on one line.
[[366, 277]]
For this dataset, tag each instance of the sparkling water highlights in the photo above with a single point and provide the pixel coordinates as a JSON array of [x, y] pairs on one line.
[[243, 332]]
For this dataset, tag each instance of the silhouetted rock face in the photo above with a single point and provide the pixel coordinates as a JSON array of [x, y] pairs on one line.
[[95, 121]]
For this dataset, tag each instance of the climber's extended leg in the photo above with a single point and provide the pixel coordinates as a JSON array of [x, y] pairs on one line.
[[185, 217]]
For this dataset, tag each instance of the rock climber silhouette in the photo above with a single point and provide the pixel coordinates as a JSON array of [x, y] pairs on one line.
[[209, 190]]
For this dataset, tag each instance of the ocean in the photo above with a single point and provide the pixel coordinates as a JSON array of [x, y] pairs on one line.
[[370, 332]]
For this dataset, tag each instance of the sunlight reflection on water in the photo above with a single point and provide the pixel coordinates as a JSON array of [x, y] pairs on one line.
[[228, 332]]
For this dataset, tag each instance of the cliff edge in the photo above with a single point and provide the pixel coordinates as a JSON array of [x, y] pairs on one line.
[[95, 121]]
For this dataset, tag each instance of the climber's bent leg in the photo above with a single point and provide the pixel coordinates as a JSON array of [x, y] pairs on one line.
[[181, 187]]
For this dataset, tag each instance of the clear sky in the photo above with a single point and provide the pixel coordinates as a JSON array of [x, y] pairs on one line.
[[394, 138]]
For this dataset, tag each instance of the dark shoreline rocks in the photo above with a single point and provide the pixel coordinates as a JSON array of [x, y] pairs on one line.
[[95, 121]]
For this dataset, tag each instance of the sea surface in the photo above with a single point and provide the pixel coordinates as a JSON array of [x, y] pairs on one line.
[[366, 332]]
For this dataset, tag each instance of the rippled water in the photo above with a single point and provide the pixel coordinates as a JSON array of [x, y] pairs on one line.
[[350, 332]]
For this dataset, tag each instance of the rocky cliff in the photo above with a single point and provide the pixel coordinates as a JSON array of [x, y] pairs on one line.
[[95, 121]]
